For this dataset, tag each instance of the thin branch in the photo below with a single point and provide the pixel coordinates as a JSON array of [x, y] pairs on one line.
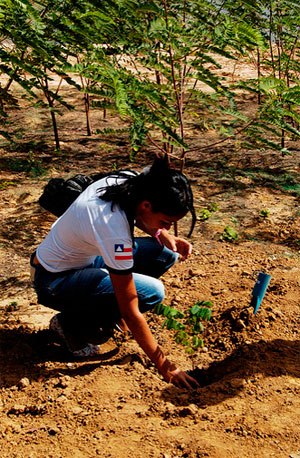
[[156, 144], [58, 87], [242, 129], [270, 41], [179, 107], [290, 58]]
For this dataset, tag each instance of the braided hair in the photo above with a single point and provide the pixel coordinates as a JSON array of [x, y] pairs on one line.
[[167, 189]]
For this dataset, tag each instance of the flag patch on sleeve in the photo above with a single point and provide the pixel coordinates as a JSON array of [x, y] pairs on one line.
[[122, 253]]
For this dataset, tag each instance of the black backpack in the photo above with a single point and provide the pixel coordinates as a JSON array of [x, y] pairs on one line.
[[59, 194]]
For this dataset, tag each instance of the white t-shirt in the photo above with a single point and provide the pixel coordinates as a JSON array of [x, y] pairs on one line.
[[87, 229]]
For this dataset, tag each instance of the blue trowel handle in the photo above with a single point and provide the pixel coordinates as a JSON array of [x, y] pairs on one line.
[[259, 289]]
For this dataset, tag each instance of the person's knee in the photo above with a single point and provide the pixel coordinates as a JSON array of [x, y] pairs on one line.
[[159, 291], [153, 294]]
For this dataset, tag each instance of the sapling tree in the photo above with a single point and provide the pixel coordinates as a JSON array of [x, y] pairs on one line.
[[188, 326], [157, 63], [229, 234], [13, 19], [277, 84], [157, 66], [264, 213], [42, 37], [29, 52], [284, 39]]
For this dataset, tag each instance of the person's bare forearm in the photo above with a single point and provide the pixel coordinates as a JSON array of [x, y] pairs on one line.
[[144, 337], [128, 304], [127, 298]]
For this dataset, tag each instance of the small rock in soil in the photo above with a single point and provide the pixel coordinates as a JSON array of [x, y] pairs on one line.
[[187, 411], [23, 383], [53, 431]]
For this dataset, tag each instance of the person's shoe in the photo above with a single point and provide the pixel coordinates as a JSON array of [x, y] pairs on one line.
[[86, 352]]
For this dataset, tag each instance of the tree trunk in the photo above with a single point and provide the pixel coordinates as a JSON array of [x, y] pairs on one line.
[[55, 130], [87, 113], [258, 77]]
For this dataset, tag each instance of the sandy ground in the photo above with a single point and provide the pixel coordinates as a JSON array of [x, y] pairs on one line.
[[118, 405]]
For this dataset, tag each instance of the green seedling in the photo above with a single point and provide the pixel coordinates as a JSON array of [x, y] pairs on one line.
[[203, 214], [186, 326], [264, 213], [5, 184], [12, 307], [214, 207], [229, 234], [104, 146]]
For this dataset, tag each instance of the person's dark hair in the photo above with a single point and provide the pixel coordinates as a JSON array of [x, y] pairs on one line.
[[167, 190]]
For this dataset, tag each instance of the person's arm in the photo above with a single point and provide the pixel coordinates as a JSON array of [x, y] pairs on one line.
[[176, 244], [127, 298]]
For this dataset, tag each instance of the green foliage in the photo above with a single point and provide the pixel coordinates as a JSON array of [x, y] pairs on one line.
[[229, 234], [186, 326], [152, 67], [12, 307], [29, 54], [203, 214], [31, 165], [213, 207], [288, 182], [264, 213], [5, 184], [157, 64]]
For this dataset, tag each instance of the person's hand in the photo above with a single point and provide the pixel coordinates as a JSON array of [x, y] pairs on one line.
[[176, 376], [181, 379], [184, 248], [176, 244]]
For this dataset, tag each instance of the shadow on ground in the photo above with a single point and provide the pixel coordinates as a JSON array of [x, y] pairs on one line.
[[226, 378], [26, 353], [33, 354]]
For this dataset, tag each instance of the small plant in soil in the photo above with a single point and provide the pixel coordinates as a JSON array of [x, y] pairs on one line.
[[229, 234], [203, 214], [5, 184], [12, 307], [264, 213], [187, 326], [213, 207]]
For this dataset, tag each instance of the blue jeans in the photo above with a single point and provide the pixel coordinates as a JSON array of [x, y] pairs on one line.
[[86, 298]]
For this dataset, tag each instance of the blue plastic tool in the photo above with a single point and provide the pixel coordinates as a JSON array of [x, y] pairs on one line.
[[259, 290]]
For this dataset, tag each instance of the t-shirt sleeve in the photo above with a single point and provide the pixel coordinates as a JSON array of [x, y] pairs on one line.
[[107, 231], [118, 256]]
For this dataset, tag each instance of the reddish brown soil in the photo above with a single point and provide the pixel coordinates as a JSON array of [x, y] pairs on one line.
[[118, 406]]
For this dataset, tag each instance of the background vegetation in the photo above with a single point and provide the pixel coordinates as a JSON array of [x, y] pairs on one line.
[[157, 63]]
